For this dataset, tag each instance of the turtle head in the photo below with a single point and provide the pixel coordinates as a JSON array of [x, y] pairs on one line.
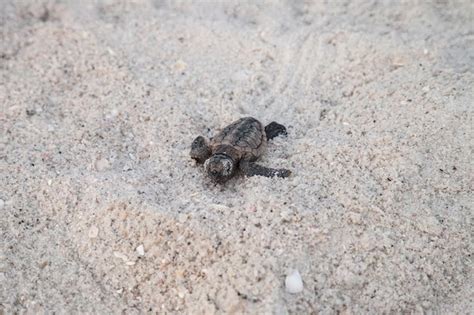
[[220, 168], [200, 150]]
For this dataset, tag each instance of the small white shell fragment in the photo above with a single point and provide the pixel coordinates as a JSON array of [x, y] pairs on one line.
[[140, 250], [130, 263], [293, 282], [93, 231]]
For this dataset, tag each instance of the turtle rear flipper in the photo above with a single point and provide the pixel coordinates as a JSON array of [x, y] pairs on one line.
[[254, 169], [200, 150], [275, 129]]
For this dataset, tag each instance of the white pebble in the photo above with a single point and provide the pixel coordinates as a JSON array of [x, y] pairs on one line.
[[293, 282], [93, 231], [140, 250]]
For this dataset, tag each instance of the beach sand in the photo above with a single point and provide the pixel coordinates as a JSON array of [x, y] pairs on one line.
[[103, 211]]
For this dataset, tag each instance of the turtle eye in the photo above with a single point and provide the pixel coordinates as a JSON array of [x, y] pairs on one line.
[[198, 142]]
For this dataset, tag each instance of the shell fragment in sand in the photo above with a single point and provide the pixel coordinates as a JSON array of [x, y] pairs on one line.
[[140, 250], [293, 282]]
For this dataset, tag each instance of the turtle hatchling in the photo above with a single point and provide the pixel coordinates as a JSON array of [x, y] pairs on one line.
[[237, 146]]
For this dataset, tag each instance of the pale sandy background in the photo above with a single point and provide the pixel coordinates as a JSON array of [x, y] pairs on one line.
[[99, 101]]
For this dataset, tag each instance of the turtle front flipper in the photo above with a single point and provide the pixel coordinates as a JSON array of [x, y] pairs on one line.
[[253, 169], [200, 150], [275, 129]]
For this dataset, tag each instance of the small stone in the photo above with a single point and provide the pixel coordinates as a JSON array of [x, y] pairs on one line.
[[101, 164], [130, 263], [140, 250], [30, 112], [2, 203], [293, 282], [93, 231], [43, 264], [398, 62]]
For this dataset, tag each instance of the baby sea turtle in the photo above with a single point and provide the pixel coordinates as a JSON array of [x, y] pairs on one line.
[[237, 146]]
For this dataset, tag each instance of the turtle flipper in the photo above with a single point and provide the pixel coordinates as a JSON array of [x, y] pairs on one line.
[[254, 169], [274, 129], [200, 150]]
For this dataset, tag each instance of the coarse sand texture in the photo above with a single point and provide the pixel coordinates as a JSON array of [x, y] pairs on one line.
[[103, 211]]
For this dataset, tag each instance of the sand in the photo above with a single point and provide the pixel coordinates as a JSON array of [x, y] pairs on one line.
[[103, 211]]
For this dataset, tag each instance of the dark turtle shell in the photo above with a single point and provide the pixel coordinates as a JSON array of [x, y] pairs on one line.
[[246, 135]]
